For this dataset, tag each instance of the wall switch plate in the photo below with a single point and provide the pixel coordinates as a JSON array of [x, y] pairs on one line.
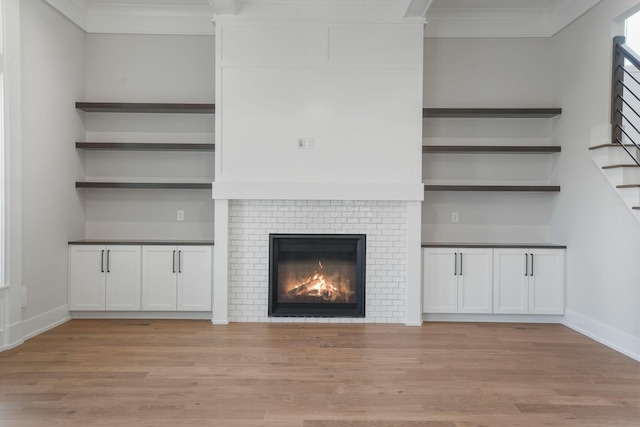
[[310, 143], [180, 215], [455, 217]]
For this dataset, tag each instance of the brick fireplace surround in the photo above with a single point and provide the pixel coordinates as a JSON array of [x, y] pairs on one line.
[[384, 223]]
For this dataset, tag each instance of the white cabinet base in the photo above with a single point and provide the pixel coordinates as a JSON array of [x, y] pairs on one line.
[[185, 315], [140, 281]]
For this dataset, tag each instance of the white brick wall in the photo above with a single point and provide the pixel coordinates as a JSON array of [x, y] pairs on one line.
[[384, 223]]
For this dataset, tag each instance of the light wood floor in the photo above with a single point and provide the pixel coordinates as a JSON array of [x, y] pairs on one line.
[[191, 373]]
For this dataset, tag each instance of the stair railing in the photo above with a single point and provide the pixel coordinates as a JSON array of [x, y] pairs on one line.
[[625, 103]]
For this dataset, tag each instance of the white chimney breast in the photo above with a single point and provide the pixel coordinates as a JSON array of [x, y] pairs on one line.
[[350, 82]]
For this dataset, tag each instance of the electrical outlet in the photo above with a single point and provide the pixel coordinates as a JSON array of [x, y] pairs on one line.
[[181, 215], [23, 297], [301, 143], [310, 143], [455, 217]]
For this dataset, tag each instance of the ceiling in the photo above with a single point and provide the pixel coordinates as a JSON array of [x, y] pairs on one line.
[[445, 18]]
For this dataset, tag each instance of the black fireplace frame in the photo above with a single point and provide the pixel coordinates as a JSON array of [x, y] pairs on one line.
[[279, 309]]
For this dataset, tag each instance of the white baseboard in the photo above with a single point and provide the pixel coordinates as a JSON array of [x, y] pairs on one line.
[[220, 322], [616, 339], [492, 318], [14, 336], [412, 323], [45, 321]]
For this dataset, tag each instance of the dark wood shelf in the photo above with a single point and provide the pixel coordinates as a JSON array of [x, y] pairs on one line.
[[137, 107], [512, 188], [625, 165], [142, 242], [135, 146], [491, 112], [492, 245], [528, 149], [628, 186], [147, 185], [596, 147]]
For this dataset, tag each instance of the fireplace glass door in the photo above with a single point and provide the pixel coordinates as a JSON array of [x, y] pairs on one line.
[[317, 275]]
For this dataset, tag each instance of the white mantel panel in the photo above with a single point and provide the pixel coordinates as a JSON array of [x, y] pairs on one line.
[[390, 44], [263, 44], [364, 130], [315, 191], [354, 89]]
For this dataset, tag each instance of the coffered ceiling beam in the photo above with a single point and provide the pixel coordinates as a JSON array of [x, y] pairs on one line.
[[417, 8], [224, 7]]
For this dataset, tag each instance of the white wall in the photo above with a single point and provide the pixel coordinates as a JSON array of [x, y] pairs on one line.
[[149, 68], [488, 73], [603, 238], [52, 80]]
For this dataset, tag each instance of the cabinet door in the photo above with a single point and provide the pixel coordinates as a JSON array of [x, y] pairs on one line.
[[440, 292], [194, 278], [475, 274], [159, 275], [546, 281], [123, 278], [86, 277], [510, 281]]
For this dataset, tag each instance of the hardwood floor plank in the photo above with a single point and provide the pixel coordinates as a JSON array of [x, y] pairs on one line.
[[333, 423], [191, 373]]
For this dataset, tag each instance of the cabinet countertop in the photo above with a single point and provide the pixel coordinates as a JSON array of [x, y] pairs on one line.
[[492, 245], [142, 242]]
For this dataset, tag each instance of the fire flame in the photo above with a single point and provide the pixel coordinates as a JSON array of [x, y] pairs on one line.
[[317, 286]]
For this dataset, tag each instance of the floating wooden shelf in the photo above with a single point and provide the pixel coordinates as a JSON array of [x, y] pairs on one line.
[[135, 146], [513, 188], [529, 149], [491, 112], [620, 166], [628, 186], [596, 147], [147, 185], [136, 107]]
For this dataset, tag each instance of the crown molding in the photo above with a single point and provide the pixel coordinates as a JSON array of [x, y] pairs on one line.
[[137, 19], [442, 22], [150, 19], [71, 10], [568, 11], [363, 11], [505, 22]]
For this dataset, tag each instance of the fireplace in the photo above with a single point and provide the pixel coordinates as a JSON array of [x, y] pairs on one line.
[[317, 275]]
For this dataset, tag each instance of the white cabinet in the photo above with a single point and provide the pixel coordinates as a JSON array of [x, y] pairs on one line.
[[133, 278], [104, 278], [194, 278], [176, 278], [457, 280], [528, 281], [159, 275]]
